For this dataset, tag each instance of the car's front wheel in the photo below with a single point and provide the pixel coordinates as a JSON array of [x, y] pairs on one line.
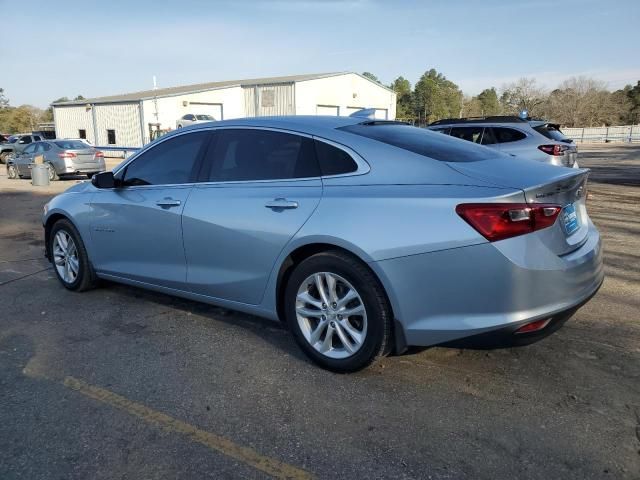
[[338, 312], [69, 257]]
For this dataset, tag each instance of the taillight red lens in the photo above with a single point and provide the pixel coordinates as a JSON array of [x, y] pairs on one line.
[[533, 326], [497, 221], [67, 155], [99, 154], [557, 150]]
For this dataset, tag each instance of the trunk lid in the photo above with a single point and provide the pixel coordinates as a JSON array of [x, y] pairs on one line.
[[87, 155], [541, 183]]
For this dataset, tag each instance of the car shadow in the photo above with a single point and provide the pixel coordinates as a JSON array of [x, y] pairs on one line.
[[275, 333]]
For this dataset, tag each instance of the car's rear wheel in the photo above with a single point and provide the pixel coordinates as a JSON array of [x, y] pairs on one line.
[[12, 172], [53, 175], [338, 312], [69, 257]]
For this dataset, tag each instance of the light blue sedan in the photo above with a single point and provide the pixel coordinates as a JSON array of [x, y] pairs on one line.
[[364, 236]]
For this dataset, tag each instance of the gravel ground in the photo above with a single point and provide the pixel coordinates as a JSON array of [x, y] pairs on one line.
[[122, 383]]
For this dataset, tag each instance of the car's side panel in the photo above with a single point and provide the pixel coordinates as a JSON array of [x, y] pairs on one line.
[[137, 233], [232, 239]]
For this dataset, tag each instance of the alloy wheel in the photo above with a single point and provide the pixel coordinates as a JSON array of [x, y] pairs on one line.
[[65, 256], [331, 315]]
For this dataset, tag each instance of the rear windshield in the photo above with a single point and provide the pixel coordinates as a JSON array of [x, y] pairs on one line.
[[204, 117], [552, 132], [71, 145], [423, 142]]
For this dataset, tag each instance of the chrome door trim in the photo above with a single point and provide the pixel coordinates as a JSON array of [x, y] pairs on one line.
[[363, 166]]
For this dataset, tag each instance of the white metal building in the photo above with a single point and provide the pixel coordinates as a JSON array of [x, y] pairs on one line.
[[126, 120]]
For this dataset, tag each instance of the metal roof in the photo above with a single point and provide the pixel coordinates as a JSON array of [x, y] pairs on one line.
[[201, 87]]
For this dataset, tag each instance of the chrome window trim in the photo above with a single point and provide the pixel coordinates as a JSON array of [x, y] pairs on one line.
[[362, 166]]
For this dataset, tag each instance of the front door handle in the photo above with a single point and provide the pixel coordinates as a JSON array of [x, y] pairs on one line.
[[168, 202], [281, 203]]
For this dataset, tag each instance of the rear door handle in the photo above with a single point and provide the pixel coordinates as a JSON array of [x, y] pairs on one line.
[[168, 202], [281, 203]]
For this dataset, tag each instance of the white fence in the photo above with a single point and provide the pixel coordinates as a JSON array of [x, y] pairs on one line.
[[625, 133]]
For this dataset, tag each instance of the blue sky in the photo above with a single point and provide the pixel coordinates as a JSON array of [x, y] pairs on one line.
[[65, 48]]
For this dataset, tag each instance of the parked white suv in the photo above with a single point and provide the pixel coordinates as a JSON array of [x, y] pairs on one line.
[[532, 139], [192, 118]]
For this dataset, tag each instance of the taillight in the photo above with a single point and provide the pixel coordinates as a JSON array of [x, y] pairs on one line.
[[67, 155], [557, 150], [533, 326], [497, 221], [99, 154]]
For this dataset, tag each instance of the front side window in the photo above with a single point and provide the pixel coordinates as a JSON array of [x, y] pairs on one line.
[[169, 163], [470, 134], [188, 116], [29, 149], [333, 160], [505, 135], [25, 140], [111, 137], [251, 154]]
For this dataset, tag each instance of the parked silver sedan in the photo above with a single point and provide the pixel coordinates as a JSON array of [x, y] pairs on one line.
[[364, 236], [62, 157]]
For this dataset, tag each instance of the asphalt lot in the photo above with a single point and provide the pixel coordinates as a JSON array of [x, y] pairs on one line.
[[123, 383]]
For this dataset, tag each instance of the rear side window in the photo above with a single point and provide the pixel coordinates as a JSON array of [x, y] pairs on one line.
[[505, 135], [252, 154], [470, 134], [333, 160], [488, 138], [168, 163], [421, 141]]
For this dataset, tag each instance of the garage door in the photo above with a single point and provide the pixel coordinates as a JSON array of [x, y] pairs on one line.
[[381, 113], [213, 109], [327, 110]]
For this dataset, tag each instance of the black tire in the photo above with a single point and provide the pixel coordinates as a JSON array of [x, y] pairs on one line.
[[52, 173], [86, 278], [377, 342], [12, 172]]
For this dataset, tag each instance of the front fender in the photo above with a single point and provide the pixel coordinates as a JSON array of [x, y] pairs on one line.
[[76, 208]]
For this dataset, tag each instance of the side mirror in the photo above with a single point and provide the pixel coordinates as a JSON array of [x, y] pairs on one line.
[[103, 180]]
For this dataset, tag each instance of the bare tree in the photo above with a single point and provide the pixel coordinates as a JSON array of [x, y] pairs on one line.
[[522, 95], [584, 101]]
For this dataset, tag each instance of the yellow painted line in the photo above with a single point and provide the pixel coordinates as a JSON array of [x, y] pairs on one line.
[[270, 466]]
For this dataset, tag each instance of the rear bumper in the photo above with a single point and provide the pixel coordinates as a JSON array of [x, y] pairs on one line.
[[449, 295], [88, 167]]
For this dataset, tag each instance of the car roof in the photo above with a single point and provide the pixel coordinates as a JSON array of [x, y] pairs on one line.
[[310, 124]]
